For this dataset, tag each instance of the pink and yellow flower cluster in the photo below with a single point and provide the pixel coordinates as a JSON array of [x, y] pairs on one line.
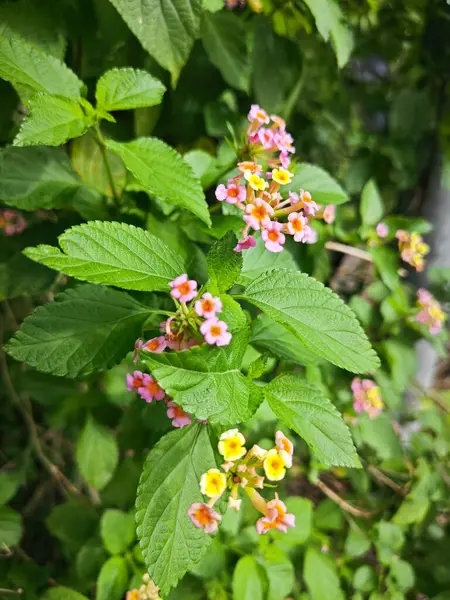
[[241, 471], [430, 312], [147, 591], [412, 248], [259, 195], [367, 397], [11, 222]]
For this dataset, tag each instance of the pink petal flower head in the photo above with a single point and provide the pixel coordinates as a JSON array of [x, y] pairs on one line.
[[277, 517], [258, 114], [284, 445], [150, 389], [311, 236], [134, 381], [204, 517], [231, 193], [249, 166], [309, 206], [244, 244], [183, 289], [285, 159], [329, 213], [208, 306], [424, 296], [273, 237], [12, 222], [215, 332], [382, 230], [265, 137], [297, 226], [179, 417], [402, 235], [281, 123], [157, 344], [258, 214], [137, 346], [283, 141], [294, 198]]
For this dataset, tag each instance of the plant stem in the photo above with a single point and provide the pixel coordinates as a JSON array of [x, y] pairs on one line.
[[344, 249], [293, 96], [353, 510], [104, 152]]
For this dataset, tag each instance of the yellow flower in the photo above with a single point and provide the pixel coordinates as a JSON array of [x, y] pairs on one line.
[[231, 445], [274, 465], [133, 595], [255, 181], [281, 176], [213, 483]]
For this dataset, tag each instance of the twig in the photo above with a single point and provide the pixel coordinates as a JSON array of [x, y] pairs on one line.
[[104, 152], [383, 478], [346, 506], [344, 249], [19, 591]]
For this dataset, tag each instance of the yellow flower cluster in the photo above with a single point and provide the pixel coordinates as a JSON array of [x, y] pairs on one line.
[[147, 591], [412, 248], [240, 470]]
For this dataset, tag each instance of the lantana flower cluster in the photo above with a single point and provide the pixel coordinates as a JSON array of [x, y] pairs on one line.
[[241, 471], [147, 591], [367, 397], [259, 195], [412, 248], [430, 311], [12, 222]]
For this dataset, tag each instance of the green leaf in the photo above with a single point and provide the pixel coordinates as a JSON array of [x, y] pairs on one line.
[[279, 341], [387, 262], [257, 260], [112, 583], [123, 89], [22, 277], [224, 38], [112, 254], [88, 328], [118, 530], [32, 178], [24, 64], [206, 167], [62, 593], [97, 454], [10, 527], [72, 524], [305, 409], [164, 173], [169, 485], [365, 579], [248, 582], [53, 121], [224, 265], [9, 484], [316, 316], [208, 381], [356, 543], [372, 207], [403, 573], [280, 573], [322, 187], [302, 508], [167, 29], [319, 573], [213, 5], [379, 434]]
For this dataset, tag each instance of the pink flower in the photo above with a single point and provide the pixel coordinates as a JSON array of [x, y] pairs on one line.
[[157, 344], [431, 313], [281, 123], [277, 517], [179, 417], [265, 136], [329, 213], [309, 206], [135, 381], [183, 289], [297, 226], [231, 193], [204, 517], [150, 389], [216, 332], [258, 214], [366, 397], [12, 222], [283, 141], [285, 159], [208, 306], [424, 296], [258, 114], [294, 198], [245, 244], [137, 346], [311, 236], [273, 238], [382, 230]]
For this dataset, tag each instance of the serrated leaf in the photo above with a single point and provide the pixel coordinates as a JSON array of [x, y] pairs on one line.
[[32, 178], [164, 173], [117, 530], [167, 29], [123, 89], [24, 64], [372, 207], [53, 121], [112, 254], [207, 381], [279, 341], [224, 264], [258, 260], [97, 454], [112, 582], [316, 316], [169, 485], [304, 408], [88, 328], [322, 187], [224, 38]]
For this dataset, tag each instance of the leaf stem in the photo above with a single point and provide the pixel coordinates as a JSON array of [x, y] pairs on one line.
[[104, 152]]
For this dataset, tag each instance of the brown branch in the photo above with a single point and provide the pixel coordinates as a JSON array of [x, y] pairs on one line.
[[350, 250], [383, 478], [346, 506]]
